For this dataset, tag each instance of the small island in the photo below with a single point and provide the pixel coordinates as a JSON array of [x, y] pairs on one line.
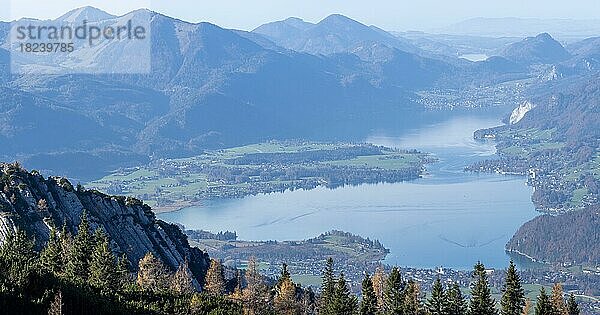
[[305, 258]]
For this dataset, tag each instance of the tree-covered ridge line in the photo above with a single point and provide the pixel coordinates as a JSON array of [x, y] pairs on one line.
[[266, 167], [80, 274], [568, 239]]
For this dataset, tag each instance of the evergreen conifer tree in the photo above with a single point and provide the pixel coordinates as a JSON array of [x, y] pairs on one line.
[[66, 244], [572, 306], [481, 302], [513, 295], [103, 268], [343, 302], [543, 305], [437, 304], [456, 301], [412, 300], [79, 256], [285, 275], [393, 295], [51, 257], [123, 271], [327, 287], [18, 261], [368, 304]]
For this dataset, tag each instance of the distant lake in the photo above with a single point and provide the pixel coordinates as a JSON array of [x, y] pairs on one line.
[[448, 218], [474, 57]]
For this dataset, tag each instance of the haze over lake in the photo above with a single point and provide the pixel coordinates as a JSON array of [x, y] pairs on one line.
[[448, 218]]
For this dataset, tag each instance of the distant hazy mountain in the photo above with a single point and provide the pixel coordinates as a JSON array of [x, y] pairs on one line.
[[86, 13], [541, 49], [209, 87], [586, 53], [334, 34], [281, 31], [564, 29], [455, 45]]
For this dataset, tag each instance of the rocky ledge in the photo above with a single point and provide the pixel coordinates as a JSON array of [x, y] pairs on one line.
[[34, 204]]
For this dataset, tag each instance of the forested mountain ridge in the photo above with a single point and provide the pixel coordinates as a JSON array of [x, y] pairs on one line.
[[571, 238], [539, 49], [36, 205]]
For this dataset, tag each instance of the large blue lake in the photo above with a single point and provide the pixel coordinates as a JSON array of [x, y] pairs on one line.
[[448, 218]]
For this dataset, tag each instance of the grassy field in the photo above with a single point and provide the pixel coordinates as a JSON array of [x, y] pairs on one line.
[[391, 161]]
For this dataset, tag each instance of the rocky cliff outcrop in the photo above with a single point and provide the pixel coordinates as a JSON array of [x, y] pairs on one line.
[[519, 112], [32, 203]]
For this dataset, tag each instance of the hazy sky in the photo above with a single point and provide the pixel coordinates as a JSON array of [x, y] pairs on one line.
[[388, 14]]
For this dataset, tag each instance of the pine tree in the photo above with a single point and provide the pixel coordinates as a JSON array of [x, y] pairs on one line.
[[343, 302], [79, 257], [51, 257], [237, 291], [327, 287], [18, 261], [215, 279], [285, 299], [437, 304], [456, 301], [66, 244], [152, 274], [368, 304], [412, 300], [103, 267], [481, 297], [557, 300], [285, 275], [256, 294], [513, 295], [572, 306], [543, 305], [183, 281], [379, 279], [308, 302], [393, 295], [123, 271]]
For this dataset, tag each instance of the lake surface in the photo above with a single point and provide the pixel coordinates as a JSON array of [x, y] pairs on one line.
[[448, 218], [474, 57]]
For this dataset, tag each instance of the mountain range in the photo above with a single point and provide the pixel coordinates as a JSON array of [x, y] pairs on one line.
[[211, 87], [564, 29]]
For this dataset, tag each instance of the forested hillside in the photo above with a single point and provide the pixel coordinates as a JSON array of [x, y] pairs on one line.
[[571, 238]]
